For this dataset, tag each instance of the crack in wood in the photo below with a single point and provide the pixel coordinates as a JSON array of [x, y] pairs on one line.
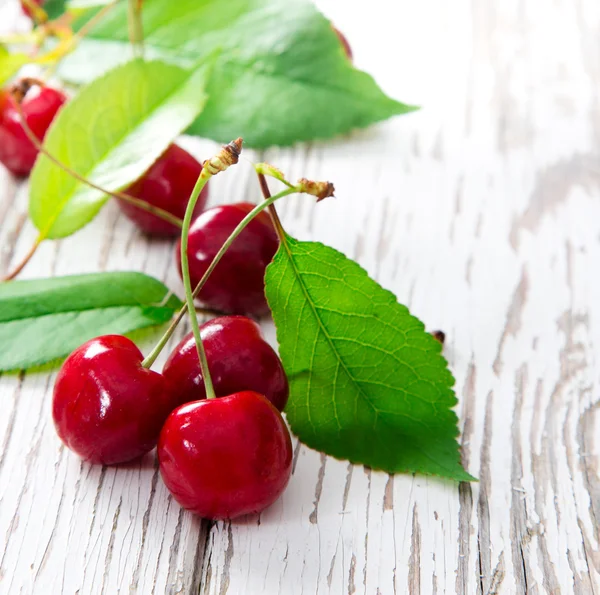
[[314, 515], [414, 562], [465, 492], [484, 561]]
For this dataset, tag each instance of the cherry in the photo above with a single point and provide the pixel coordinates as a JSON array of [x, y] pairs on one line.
[[237, 283], [345, 43], [238, 358], [39, 107], [107, 407], [167, 185], [223, 458]]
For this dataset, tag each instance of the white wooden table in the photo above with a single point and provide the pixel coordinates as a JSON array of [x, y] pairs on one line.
[[482, 213]]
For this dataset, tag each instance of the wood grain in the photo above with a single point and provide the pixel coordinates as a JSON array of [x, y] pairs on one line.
[[481, 213]]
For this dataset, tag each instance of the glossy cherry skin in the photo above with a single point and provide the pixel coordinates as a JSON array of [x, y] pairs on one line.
[[223, 458], [106, 407], [238, 357], [237, 284], [167, 185], [17, 152]]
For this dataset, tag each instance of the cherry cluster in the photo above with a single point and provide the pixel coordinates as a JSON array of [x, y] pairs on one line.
[[220, 457]]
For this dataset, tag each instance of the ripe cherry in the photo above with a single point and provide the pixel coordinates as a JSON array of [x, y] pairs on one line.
[[167, 185], [237, 283], [238, 358], [345, 43], [223, 458], [39, 106], [107, 407]]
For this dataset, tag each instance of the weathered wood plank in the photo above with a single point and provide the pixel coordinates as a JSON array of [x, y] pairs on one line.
[[481, 213]]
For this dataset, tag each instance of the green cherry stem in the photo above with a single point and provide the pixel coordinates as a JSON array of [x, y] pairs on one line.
[[136, 31], [187, 283], [272, 212], [227, 156], [234, 234]]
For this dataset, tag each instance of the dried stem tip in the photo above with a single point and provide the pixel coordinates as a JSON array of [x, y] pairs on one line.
[[228, 155], [439, 336], [319, 189], [22, 87]]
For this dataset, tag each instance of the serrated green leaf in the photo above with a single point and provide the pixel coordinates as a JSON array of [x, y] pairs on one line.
[[367, 383], [10, 63], [110, 133], [46, 319], [282, 75]]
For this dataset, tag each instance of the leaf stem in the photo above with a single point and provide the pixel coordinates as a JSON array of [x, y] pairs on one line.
[[234, 234]]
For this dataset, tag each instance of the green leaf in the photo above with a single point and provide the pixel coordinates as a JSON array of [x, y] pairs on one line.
[[367, 383], [111, 133], [282, 75], [10, 63], [46, 319], [54, 8]]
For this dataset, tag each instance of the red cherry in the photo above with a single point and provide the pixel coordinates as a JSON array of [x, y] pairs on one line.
[[238, 358], [39, 107], [107, 407], [222, 458], [26, 10], [237, 283], [167, 185], [345, 43]]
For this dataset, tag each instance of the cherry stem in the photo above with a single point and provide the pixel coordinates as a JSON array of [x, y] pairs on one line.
[[136, 31], [272, 212], [234, 234], [10, 276], [61, 29], [187, 283]]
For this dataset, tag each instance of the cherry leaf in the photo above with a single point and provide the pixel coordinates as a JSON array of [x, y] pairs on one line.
[[54, 8], [367, 383], [45, 319], [282, 75], [111, 133]]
